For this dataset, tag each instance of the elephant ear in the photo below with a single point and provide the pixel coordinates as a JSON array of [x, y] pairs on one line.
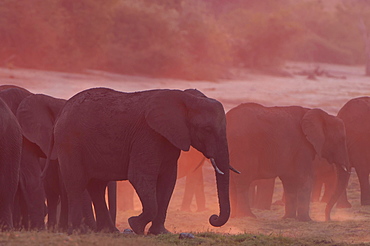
[[313, 127], [36, 115], [166, 114]]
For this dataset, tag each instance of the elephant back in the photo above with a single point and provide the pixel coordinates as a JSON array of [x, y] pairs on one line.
[[13, 96]]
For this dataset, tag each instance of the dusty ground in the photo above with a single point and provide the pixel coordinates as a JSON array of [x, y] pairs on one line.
[[348, 225]]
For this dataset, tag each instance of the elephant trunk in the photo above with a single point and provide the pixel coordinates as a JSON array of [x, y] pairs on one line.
[[342, 181], [223, 191]]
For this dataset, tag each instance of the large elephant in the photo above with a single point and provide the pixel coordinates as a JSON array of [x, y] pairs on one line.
[[268, 142], [103, 135], [10, 158], [356, 117]]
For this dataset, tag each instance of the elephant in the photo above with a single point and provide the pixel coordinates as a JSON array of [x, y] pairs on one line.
[[356, 117], [10, 160], [269, 142], [189, 166], [104, 135], [29, 206]]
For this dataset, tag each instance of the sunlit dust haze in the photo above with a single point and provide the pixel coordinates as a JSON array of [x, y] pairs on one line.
[[273, 52]]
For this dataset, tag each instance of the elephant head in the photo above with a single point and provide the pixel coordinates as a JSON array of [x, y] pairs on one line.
[[327, 135], [36, 114], [192, 119], [13, 96]]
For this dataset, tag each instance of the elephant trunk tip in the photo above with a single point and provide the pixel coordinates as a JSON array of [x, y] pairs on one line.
[[215, 221]]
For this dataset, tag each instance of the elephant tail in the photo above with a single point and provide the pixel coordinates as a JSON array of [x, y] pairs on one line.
[[48, 158]]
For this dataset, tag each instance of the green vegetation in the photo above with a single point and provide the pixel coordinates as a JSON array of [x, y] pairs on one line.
[[207, 238], [190, 39]]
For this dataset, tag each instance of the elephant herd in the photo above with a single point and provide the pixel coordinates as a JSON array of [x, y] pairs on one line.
[[67, 152]]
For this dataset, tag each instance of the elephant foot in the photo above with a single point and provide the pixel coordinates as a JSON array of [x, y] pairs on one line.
[[304, 218], [136, 225], [345, 204], [365, 203], [289, 216], [155, 230]]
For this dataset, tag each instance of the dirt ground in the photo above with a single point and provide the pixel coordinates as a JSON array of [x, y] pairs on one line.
[[328, 92]]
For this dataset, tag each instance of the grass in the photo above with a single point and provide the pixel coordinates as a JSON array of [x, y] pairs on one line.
[[204, 238]]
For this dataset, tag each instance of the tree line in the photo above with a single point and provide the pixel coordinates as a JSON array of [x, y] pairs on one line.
[[190, 39]]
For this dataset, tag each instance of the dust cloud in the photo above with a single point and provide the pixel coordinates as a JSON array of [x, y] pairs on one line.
[[348, 225]]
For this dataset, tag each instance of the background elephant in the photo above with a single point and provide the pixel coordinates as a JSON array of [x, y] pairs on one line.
[[30, 199], [103, 135], [268, 142], [10, 158], [190, 165], [37, 114], [356, 117]]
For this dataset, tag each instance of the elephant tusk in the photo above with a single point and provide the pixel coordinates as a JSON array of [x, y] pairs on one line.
[[215, 166], [346, 169], [234, 170]]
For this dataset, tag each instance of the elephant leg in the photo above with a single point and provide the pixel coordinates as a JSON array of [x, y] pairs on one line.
[[343, 201], [303, 199], [35, 199], [17, 214], [363, 177], [52, 203], [200, 197], [75, 187], [146, 190], [53, 193], [63, 216], [188, 194], [329, 184], [87, 211], [96, 190], [316, 190], [242, 206], [290, 195], [112, 200], [165, 185], [264, 194]]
